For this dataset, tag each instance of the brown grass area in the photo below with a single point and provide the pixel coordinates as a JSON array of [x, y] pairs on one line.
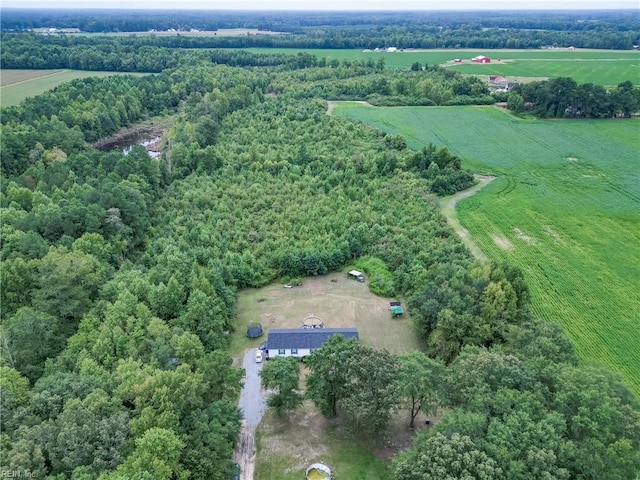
[[338, 300]]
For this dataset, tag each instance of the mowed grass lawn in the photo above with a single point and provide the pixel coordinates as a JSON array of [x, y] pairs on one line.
[[16, 85], [335, 298], [565, 208], [601, 67], [287, 446]]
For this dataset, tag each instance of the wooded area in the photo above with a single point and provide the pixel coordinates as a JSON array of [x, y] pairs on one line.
[[119, 273]]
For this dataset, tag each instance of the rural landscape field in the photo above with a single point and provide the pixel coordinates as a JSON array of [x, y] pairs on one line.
[[20, 84], [601, 67], [564, 207]]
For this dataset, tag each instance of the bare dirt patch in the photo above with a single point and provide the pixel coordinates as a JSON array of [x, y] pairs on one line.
[[502, 242], [332, 105], [550, 231], [526, 238]]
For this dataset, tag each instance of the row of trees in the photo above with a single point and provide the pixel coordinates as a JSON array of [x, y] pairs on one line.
[[426, 29], [563, 97]]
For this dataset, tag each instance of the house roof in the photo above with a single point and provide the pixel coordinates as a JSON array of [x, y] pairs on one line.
[[305, 337]]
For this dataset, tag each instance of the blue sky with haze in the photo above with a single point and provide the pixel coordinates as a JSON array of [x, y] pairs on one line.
[[332, 4]]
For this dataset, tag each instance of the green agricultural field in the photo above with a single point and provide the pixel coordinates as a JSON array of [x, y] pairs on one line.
[[565, 208], [20, 84], [603, 67]]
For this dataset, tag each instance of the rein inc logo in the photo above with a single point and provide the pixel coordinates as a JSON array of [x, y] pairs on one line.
[[17, 474]]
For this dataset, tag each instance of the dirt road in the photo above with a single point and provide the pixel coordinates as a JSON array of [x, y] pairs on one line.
[[448, 208]]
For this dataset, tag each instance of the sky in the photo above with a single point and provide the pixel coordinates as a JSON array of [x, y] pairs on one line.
[[332, 4]]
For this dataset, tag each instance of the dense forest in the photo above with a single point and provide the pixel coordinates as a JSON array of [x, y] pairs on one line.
[[120, 274]]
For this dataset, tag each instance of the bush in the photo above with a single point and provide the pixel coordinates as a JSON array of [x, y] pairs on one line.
[[380, 277]]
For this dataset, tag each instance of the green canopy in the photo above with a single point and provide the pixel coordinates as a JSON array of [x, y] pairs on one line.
[[397, 311]]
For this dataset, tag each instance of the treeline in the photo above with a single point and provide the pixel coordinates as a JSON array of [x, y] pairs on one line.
[[125, 54], [563, 97], [587, 29]]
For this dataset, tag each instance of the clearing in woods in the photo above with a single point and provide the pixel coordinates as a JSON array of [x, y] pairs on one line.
[[285, 447], [564, 208]]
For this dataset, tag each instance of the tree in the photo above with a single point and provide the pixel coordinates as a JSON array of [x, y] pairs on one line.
[[515, 102], [420, 380], [372, 392], [156, 456], [68, 282], [281, 375], [328, 373], [32, 337], [438, 457]]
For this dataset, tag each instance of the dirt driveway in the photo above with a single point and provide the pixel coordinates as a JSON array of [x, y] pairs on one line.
[[448, 208]]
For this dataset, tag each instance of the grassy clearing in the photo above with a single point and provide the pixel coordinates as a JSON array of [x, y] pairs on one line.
[[20, 84], [286, 447], [603, 67], [564, 208], [337, 299]]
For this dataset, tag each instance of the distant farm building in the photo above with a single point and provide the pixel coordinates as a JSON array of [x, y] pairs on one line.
[[481, 59], [300, 342]]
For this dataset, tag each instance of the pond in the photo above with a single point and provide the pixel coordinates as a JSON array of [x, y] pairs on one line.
[[148, 137]]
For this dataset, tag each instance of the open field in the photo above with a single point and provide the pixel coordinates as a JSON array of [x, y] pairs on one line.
[[565, 208], [603, 67], [20, 84], [287, 446]]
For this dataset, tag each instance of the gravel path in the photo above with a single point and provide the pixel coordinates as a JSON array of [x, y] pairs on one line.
[[252, 404]]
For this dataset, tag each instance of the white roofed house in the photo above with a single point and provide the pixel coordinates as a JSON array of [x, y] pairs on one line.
[[300, 342]]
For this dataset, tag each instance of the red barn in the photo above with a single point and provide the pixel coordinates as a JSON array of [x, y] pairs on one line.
[[481, 59]]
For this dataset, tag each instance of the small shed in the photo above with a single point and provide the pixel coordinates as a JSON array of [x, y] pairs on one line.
[[357, 275]]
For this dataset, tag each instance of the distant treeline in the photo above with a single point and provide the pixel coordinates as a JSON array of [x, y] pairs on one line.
[[586, 29]]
